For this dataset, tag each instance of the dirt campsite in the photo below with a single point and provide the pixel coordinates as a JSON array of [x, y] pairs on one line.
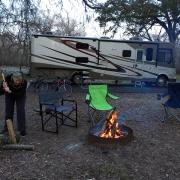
[[152, 153]]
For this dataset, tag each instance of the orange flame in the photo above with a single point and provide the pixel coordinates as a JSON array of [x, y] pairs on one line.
[[111, 128]]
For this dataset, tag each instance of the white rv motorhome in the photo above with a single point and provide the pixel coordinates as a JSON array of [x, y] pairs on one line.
[[103, 58]]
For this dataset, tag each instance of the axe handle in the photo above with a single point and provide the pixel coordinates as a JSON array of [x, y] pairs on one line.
[[3, 77], [5, 81]]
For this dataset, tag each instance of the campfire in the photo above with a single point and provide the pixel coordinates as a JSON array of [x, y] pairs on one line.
[[110, 130]]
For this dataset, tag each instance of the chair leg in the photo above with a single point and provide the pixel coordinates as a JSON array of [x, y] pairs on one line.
[[42, 119], [173, 114], [76, 115], [96, 116], [88, 114], [165, 114], [168, 113], [91, 116], [57, 127], [62, 118]]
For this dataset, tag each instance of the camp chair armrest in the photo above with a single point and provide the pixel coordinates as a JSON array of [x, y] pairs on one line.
[[162, 95], [69, 100], [88, 98], [45, 103], [112, 96]]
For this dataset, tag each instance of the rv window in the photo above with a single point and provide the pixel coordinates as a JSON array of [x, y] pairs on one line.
[[126, 53], [80, 45], [139, 55], [165, 56], [149, 54], [81, 59]]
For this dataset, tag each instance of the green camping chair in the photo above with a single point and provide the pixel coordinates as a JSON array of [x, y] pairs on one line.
[[97, 102]]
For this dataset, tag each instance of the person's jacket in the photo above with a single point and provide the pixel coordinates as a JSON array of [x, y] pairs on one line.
[[15, 90]]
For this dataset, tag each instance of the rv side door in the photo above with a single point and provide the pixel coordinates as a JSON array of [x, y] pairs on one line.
[[138, 58], [144, 60]]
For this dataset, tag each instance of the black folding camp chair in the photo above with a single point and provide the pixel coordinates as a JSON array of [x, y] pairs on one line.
[[56, 111], [172, 105]]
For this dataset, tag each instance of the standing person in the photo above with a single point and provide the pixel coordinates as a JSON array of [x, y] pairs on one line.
[[14, 88]]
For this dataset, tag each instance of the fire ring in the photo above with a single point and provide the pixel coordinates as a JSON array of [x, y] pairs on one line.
[[127, 135], [110, 131]]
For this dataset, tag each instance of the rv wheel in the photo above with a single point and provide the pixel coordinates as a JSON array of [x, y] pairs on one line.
[[77, 78], [162, 81]]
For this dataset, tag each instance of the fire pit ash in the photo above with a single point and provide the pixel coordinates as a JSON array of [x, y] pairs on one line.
[[110, 131]]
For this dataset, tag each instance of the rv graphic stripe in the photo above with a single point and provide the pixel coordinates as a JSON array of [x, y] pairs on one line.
[[72, 46], [65, 53], [58, 60]]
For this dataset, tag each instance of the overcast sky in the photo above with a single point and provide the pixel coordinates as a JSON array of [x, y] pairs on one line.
[[76, 11]]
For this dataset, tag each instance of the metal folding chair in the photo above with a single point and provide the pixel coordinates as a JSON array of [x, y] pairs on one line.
[[56, 111]]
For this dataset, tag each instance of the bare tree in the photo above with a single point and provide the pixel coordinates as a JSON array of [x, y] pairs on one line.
[[66, 26]]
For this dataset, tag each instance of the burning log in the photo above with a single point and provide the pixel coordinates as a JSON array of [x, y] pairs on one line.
[[110, 128]]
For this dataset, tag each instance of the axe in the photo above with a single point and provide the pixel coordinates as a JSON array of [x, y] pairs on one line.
[[4, 80]]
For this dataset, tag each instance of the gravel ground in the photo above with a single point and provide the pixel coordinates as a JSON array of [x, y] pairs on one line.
[[152, 155]]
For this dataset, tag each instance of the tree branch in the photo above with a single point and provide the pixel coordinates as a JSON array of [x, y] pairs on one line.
[[91, 4]]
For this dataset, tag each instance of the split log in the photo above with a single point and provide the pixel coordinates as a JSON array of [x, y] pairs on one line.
[[6, 144], [12, 136], [18, 147]]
